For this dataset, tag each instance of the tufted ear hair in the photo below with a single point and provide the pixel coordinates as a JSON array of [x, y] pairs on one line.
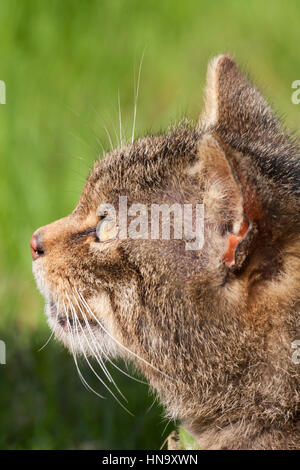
[[236, 111]]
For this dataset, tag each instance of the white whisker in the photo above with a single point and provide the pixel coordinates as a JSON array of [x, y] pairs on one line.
[[84, 382], [116, 133], [151, 406], [95, 353], [165, 428], [136, 94], [99, 142], [120, 344], [120, 119], [48, 341], [81, 140], [52, 334], [103, 352], [91, 367], [109, 137]]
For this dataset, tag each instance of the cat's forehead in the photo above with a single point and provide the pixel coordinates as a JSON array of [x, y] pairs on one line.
[[149, 164]]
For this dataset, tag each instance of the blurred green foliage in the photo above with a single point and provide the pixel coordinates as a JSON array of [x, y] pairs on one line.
[[63, 63]]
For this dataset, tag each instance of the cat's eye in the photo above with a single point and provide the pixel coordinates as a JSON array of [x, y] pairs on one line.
[[106, 230]]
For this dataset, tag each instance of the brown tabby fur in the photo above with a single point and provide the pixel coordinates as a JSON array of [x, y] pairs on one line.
[[221, 335]]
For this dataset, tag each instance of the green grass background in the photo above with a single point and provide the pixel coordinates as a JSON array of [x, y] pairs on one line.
[[63, 63]]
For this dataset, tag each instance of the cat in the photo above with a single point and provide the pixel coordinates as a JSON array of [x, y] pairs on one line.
[[211, 329]]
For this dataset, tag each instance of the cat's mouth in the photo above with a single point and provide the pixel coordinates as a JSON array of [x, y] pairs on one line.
[[78, 327], [68, 318], [68, 322]]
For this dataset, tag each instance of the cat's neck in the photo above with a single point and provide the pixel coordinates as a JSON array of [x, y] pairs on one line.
[[248, 436]]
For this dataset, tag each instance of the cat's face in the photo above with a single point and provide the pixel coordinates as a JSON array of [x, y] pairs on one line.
[[100, 280], [185, 316]]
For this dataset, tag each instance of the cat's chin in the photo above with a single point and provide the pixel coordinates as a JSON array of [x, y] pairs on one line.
[[81, 336]]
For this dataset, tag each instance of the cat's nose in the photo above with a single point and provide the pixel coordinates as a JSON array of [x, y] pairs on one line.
[[36, 247]]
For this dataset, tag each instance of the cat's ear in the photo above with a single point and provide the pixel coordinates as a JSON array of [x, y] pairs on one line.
[[237, 112], [233, 105], [224, 202], [249, 164]]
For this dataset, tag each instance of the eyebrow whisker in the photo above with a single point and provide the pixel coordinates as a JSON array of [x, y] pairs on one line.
[[136, 94]]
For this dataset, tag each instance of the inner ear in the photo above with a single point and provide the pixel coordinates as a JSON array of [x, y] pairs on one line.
[[225, 201], [229, 257]]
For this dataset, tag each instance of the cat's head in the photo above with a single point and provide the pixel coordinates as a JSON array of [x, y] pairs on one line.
[[191, 316]]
